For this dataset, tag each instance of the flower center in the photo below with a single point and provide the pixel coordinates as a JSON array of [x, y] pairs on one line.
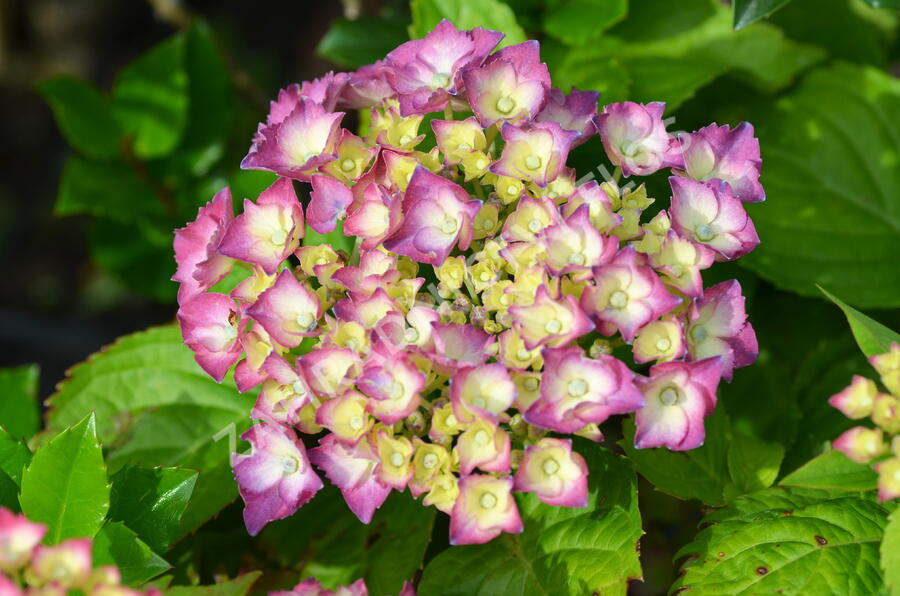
[[553, 326], [439, 79], [532, 162], [550, 466], [704, 233], [305, 320], [505, 105], [618, 299], [321, 261], [668, 396], [464, 147], [577, 259], [396, 390], [451, 420], [298, 388], [535, 225], [522, 354], [482, 438], [577, 387], [479, 402], [396, 459], [405, 139], [411, 335], [347, 165], [488, 500], [531, 383], [699, 333], [487, 225], [278, 238], [677, 270], [356, 422], [430, 460], [449, 226], [290, 464], [504, 300], [484, 276], [663, 344], [511, 189]]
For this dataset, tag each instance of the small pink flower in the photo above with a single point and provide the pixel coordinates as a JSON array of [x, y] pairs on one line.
[[288, 311], [426, 72], [575, 111], [312, 587], [576, 390], [268, 230], [210, 327], [635, 138], [600, 209], [707, 213], [283, 394], [437, 216], [200, 266], [627, 294], [575, 245], [18, 537], [326, 90], [298, 144], [536, 153], [718, 326], [888, 479], [393, 383], [276, 478], [353, 469], [375, 217], [681, 261], [458, 346], [485, 508], [257, 345], [366, 88], [725, 154], [485, 446], [367, 310], [330, 371], [511, 86], [345, 416], [861, 444], [328, 203], [549, 322], [484, 391], [529, 218], [67, 564], [8, 587], [677, 397], [856, 400], [554, 473]]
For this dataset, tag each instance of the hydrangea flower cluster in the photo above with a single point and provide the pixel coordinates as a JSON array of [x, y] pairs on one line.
[[312, 587], [29, 568], [881, 444], [471, 330]]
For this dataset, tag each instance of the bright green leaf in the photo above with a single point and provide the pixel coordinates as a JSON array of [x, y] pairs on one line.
[[65, 485], [352, 44], [151, 501], [750, 11], [890, 554], [335, 238], [888, 4], [14, 456], [9, 493], [561, 551], [237, 587], [156, 407], [753, 463], [19, 410], [831, 150], [83, 115], [872, 337], [117, 545], [105, 189], [833, 471], [466, 14], [578, 21], [151, 98], [790, 541]]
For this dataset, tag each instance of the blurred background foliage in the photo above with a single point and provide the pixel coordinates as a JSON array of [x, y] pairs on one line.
[[121, 119]]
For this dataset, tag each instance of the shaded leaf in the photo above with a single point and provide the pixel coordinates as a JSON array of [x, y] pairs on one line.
[[9, 493], [19, 410], [151, 501], [237, 587], [833, 471], [578, 21], [750, 11], [831, 150], [890, 554], [83, 115], [352, 44], [562, 550], [65, 484], [116, 544], [105, 189], [872, 337], [14, 456], [753, 464]]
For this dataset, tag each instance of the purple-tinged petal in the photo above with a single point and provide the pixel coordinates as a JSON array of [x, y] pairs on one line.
[[18, 537], [554, 473], [354, 470], [484, 509], [536, 153], [861, 444], [718, 326], [484, 391], [200, 266], [718, 152], [210, 327], [575, 111], [328, 203], [288, 311], [635, 138], [549, 322]]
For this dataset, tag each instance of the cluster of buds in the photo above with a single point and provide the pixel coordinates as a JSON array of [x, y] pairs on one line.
[[312, 587], [28, 568], [881, 444], [472, 329]]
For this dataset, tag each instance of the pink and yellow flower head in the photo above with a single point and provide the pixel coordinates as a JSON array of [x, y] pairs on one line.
[[66, 565], [312, 587], [888, 366], [481, 290], [18, 538], [861, 444], [635, 138], [275, 478], [484, 509]]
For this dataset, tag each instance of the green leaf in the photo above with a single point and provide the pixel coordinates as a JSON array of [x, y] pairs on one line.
[[65, 485], [750, 11], [706, 466], [19, 410], [151, 98], [237, 587], [872, 337], [790, 541], [338, 549], [831, 150], [83, 115], [561, 551], [117, 545], [578, 21], [352, 44], [105, 189], [466, 14], [887, 4], [753, 463], [833, 471], [14, 457], [156, 407], [890, 554], [335, 238], [673, 66], [9, 493], [151, 501]]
